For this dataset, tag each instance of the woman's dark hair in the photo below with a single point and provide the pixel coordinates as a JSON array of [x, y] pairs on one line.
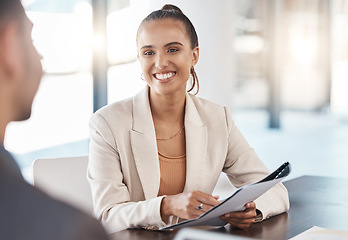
[[173, 12], [169, 11]]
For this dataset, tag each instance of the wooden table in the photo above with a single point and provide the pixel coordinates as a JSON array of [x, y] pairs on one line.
[[314, 201]]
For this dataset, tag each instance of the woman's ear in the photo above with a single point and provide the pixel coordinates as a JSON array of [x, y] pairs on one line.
[[195, 56]]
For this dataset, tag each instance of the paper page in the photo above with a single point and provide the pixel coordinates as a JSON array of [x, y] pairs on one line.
[[318, 233]]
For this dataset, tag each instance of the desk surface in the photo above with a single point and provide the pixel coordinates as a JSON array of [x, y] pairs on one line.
[[314, 201]]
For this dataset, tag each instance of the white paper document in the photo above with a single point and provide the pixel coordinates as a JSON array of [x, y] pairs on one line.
[[318, 233], [236, 201]]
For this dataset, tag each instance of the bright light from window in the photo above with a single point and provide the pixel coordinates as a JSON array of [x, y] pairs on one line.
[[63, 105], [27, 2], [303, 50], [64, 40], [248, 44], [122, 27]]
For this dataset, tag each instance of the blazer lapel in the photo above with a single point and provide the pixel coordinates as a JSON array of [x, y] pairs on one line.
[[143, 142], [196, 146]]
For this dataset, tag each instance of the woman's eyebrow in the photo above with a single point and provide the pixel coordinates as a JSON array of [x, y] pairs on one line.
[[146, 46], [173, 43], [167, 45]]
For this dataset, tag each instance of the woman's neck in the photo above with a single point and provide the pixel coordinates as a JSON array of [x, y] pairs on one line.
[[167, 109]]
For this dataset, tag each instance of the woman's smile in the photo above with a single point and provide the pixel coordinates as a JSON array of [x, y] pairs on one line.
[[164, 77], [166, 56]]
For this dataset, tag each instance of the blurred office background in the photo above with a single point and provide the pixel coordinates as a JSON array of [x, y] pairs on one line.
[[280, 66]]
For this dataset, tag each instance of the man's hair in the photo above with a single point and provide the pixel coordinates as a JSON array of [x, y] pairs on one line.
[[10, 10]]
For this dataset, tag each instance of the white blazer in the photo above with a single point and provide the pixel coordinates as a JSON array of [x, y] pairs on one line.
[[124, 171]]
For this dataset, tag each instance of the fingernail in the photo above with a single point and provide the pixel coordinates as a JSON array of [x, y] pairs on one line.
[[227, 215]]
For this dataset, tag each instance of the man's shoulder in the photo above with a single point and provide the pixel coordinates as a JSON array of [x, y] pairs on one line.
[[28, 213]]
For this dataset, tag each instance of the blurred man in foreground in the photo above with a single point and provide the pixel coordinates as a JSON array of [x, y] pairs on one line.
[[26, 212]]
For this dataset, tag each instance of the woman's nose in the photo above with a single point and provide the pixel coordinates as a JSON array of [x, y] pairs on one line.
[[161, 61]]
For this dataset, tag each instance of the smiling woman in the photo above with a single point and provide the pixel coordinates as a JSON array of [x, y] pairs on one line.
[[155, 158], [165, 53], [185, 29]]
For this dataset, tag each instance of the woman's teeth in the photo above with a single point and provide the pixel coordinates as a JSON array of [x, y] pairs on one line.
[[164, 76]]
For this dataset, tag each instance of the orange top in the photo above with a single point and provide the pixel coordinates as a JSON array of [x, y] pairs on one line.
[[172, 160], [173, 175]]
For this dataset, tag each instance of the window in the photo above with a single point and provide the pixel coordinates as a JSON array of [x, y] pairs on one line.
[[63, 34]]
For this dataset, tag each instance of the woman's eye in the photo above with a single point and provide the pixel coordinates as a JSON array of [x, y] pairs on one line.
[[148, 53], [173, 50]]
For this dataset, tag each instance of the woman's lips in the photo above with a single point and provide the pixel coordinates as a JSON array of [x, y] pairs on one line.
[[164, 77]]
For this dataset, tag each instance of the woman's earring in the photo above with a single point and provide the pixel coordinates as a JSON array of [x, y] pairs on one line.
[[190, 77], [142, 77], [192, 72]]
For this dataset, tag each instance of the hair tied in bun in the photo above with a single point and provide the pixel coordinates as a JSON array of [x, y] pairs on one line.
[[171, 8]]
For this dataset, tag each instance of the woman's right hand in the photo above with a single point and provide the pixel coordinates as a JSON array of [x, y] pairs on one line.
[[186, 205]]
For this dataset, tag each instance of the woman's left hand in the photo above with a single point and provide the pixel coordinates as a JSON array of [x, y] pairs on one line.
[[242, 219]]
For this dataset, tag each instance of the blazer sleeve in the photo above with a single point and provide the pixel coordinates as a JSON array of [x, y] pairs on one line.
[[243, 166], [111, 197]]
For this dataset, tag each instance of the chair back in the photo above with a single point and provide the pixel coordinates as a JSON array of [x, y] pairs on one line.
[[64, 179]]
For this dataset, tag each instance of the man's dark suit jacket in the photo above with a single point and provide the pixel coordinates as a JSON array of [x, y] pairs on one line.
[[29, 214]]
